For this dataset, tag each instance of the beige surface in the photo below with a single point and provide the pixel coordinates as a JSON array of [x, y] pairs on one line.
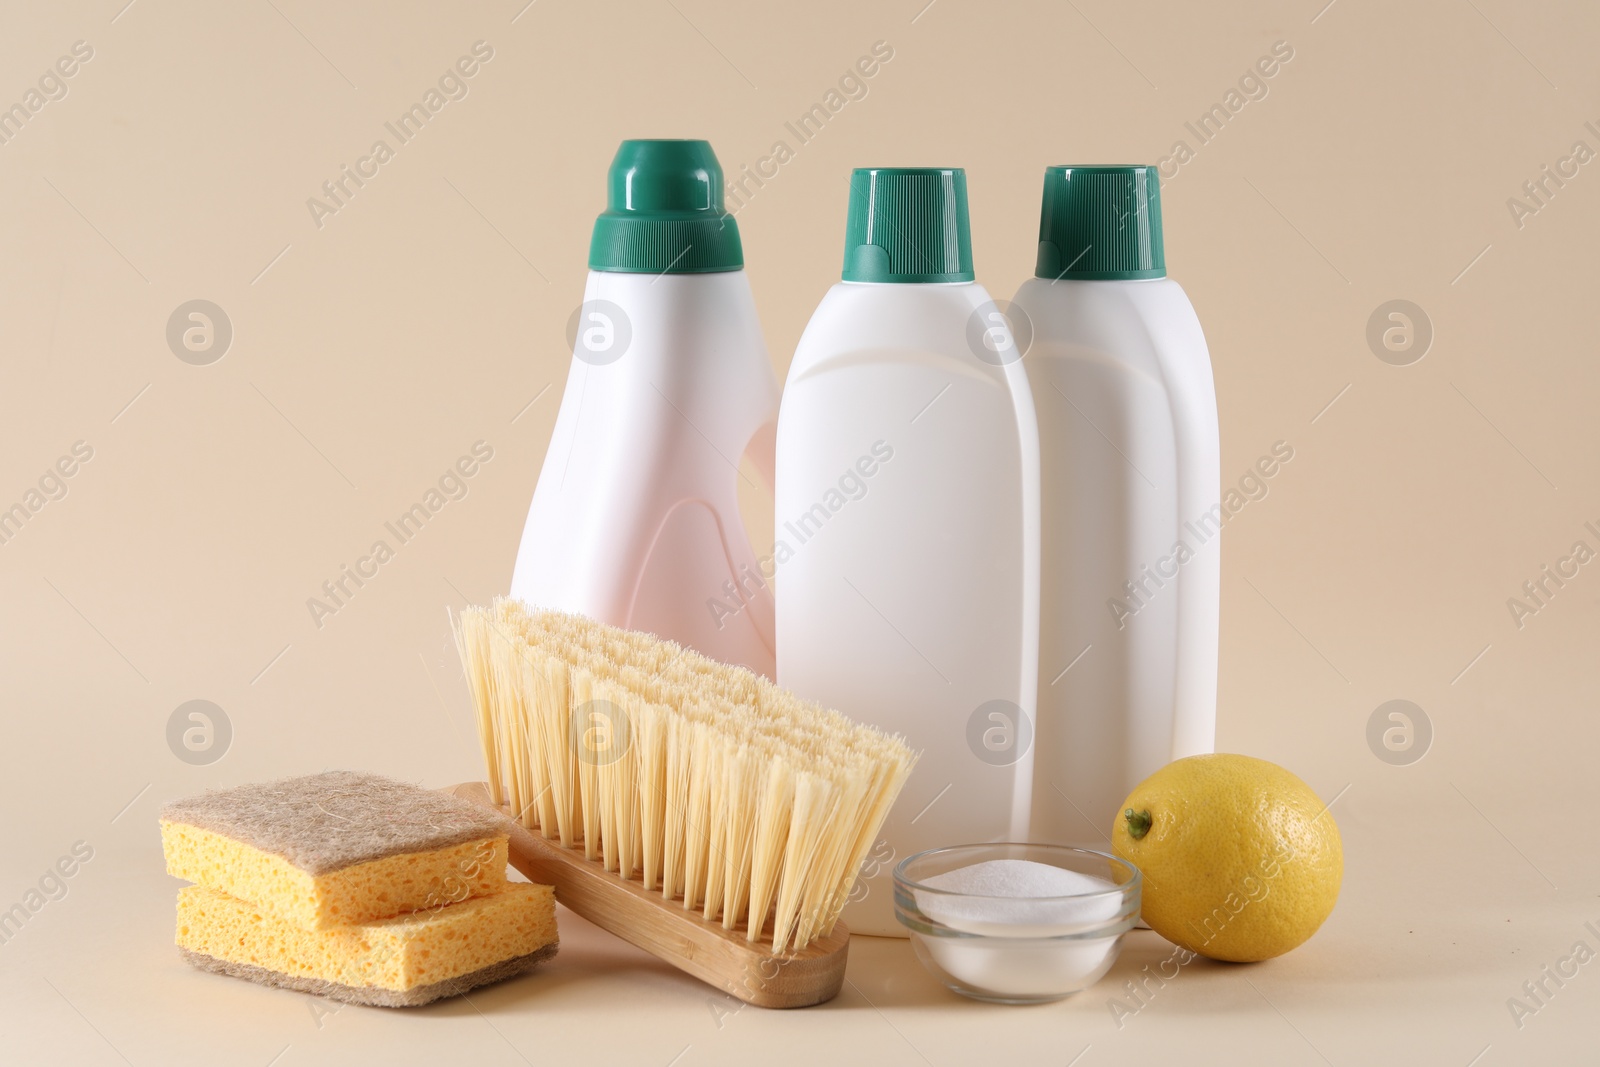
[[425, 316]]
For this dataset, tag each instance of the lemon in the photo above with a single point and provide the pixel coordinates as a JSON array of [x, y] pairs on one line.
[[1241, 861]]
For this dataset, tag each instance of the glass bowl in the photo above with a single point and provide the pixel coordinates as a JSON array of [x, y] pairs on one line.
[[1012, 949]]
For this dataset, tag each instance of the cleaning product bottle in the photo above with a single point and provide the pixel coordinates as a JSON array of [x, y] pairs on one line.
[[635, 520], [907, 512], [1132, 480]]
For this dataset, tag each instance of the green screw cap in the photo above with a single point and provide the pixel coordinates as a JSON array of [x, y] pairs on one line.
[[908, 224], [664, 212], [1101, 223]]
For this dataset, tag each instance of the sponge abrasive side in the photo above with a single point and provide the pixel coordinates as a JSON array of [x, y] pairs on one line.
[[322, 822]]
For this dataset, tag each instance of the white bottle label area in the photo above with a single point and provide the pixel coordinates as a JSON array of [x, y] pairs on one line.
[[907, 500], [1132, 563], [635, 520]]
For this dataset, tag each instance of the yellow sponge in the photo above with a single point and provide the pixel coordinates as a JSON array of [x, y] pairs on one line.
[[336, 848], [401, 961]]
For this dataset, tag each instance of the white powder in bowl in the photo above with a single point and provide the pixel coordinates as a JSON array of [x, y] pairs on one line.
[[1019, 898]]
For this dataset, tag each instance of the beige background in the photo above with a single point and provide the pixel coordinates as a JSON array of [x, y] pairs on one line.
[[427, 314]]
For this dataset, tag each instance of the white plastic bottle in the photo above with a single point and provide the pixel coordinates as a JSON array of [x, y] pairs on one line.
[[907, 512], [1131, 480], [635, 520]]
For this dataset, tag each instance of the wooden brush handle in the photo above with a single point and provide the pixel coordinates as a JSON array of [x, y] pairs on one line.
[[749, 970]]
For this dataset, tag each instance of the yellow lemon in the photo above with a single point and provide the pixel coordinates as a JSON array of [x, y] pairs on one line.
[[1241, 861]]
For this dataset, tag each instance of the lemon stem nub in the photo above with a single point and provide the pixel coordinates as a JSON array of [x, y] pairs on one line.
[[1138, 823]]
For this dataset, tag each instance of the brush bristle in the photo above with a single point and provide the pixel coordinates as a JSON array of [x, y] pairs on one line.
[[705, 781]]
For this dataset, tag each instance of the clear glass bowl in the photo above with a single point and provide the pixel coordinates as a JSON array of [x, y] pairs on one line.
[[1016, 949]]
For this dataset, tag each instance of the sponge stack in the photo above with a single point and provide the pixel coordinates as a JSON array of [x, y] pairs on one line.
[[352, 886]]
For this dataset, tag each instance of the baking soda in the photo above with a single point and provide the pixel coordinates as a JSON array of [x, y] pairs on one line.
[[1042, 931], [1019, 898]]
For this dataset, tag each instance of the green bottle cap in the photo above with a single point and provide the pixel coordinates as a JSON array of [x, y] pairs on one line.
[[664, 212], [908, 224], [1101, 223]]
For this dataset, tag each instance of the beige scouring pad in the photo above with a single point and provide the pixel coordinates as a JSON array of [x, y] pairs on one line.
[[337, 848], [399, 962]]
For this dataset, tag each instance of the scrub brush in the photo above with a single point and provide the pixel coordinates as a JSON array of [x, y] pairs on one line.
[[692, 808]]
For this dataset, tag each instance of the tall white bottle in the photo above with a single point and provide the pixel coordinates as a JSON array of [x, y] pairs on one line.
[[635, 520], [1132, 481], [907, 513]]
